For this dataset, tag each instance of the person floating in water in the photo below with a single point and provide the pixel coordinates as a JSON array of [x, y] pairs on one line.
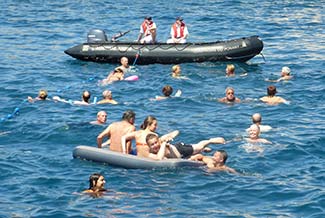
[[271, 98], [107, 98], [42, 96], [230, 96], [285, 75], [215, 163], [230, 70], [254, 135], [167, 91], [96, 185], [101, 118], [84, 99]]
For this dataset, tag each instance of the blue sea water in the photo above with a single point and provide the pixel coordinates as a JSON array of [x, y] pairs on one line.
[[40, 178]]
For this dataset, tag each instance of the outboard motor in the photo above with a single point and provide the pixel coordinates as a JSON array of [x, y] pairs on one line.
[[96, 36]]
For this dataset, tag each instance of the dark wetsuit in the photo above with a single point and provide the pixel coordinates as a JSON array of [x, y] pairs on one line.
[[185, 150]]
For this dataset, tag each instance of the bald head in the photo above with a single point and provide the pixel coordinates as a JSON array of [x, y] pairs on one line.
[[257, 118]]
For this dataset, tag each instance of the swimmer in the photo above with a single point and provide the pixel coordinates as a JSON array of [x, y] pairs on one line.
[[216, 163], [271, 98], [124, 64], [257, 119], [148, 126], [101, 118], [158, 150], [254, 135], [116, 130], [176, 71], [107, 98], [84, 99], [167, 91], [42, 96], [96, 185], [230, 96], [285, 75], [230, 70], [116, 75]]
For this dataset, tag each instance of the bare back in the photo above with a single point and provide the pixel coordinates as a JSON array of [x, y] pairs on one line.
[[118, 129]]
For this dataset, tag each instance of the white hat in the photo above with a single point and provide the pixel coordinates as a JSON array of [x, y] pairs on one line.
[[286, 70]]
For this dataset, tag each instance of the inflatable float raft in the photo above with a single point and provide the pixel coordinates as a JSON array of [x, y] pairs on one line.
[[98, 49], [128, 161]]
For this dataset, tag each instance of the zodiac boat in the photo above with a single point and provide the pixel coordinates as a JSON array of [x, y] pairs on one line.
[[99, 49], [128, 161]]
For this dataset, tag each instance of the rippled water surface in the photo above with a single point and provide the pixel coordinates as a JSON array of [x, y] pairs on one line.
[[40, 178]]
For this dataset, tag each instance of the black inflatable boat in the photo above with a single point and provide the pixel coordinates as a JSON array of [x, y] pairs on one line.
[[99, 49]]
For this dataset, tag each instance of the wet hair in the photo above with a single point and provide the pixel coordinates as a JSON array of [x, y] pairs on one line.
[[231, 68], [224, 155], [128, 115], [230, 88], [148, 121], [150, 136], [42, 94], [86, 96], [167, 90], [93, 180], [174, 68], [271, 90]]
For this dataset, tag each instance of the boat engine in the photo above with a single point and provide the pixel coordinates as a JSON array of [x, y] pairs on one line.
[[96, 36]]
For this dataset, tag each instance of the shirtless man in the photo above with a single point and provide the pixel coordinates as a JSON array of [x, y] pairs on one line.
[[155, 148], [116, 130], [271, 98], [216, 163], [101, 118], [230, 96], [107, 98], [254, 135]]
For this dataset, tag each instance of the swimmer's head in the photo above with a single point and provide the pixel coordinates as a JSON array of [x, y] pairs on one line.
[[125, 62], [96, 181], [167, 90], [230, 69], [129, 116], [102, 117], [220, 156], [42, 94], [230, 94], [285, 71], [176, 69], [256, 118], [118, 70], [86, 96], [271, 90], [107, 94], [254, 131]]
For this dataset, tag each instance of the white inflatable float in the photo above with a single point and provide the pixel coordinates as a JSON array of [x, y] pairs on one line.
[[126, 160]]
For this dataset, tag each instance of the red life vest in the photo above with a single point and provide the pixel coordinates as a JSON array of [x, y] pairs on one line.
[[145, 26], [181, 30]]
